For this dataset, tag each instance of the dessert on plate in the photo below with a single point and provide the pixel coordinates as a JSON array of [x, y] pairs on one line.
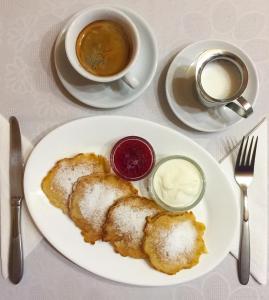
[[57, 185], [174, 241], [107, 206], [90, 200], [125, 222]]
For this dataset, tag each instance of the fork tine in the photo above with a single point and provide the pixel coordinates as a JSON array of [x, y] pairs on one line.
[[254, 154], [239, 153], [249, 152], [243, 161]]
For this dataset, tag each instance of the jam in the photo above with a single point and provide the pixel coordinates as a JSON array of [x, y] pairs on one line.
[[132, 158]]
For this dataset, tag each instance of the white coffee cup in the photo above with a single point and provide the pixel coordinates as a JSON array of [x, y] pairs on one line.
[[89, 15]]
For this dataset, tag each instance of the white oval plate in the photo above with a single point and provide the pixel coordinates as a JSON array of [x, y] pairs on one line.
[[117, 93], [181, 95], [218, 210]]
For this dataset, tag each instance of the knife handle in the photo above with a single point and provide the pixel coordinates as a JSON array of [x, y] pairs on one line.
[[16, 252]]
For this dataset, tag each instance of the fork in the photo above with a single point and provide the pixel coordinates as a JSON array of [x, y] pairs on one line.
[[244, 172]]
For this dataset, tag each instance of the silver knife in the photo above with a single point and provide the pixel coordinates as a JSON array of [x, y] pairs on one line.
[[16, 196]]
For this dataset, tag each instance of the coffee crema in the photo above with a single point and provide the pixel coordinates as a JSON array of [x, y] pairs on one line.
[[103, 48]]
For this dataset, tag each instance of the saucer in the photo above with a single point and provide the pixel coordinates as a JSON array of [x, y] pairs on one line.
[[181, 93], [113, 94]]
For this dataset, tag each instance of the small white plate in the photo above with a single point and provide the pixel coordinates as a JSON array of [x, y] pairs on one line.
[[117, 93], [181, 94], [219, 211]]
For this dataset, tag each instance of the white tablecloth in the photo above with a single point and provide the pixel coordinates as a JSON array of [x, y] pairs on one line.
[[30, 90]]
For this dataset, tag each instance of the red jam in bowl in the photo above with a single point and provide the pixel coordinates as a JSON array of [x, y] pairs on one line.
[[132, 158]]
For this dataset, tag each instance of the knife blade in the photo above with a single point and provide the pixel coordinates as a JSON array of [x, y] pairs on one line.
[[16, 196], [16, 164]]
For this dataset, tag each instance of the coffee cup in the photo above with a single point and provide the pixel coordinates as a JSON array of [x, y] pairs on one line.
[[221, 78], [90, 15]]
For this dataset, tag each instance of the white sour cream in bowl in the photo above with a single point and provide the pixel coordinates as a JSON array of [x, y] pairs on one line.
[[177, 183]]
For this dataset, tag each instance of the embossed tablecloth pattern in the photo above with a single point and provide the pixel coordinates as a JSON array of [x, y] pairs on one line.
[[30, 90]]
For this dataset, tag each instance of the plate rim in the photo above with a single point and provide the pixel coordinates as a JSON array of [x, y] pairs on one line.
[[146, 84], [170, 99], [74, 260]]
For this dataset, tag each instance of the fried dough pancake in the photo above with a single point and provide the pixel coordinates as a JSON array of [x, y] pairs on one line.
[[173, 241], [90, 200], [57, 185], [125, 223]]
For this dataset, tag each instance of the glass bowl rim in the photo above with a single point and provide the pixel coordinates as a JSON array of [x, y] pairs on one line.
[[136, 138], [159, 201]]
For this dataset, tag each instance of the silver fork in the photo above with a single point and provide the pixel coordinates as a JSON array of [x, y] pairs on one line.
[[244, 172]]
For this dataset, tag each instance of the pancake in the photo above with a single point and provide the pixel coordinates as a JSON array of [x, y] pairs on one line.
[[57, 185], [173, 242], [90, 200], [125, 223]]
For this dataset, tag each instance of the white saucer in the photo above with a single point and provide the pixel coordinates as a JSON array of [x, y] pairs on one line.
[[117, 93], [181, 95]]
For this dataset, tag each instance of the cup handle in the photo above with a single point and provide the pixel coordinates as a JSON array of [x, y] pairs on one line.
[[130, 80], [241, 107]]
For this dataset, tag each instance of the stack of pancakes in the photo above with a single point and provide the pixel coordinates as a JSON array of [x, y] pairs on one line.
[[107, 207]]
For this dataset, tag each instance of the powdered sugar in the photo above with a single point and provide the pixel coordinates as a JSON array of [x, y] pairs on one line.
[[180, 239], [67, 175], [132, 220], [96, 202]]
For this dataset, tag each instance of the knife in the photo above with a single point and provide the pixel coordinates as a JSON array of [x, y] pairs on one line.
[[16, 196]]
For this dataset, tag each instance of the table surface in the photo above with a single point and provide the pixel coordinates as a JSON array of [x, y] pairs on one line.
[[31, 91]]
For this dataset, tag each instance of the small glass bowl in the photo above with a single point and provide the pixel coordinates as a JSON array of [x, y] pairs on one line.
[[140, 155], [157, 198]]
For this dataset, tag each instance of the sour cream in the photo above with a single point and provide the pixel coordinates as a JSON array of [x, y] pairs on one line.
[[178, 182]]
